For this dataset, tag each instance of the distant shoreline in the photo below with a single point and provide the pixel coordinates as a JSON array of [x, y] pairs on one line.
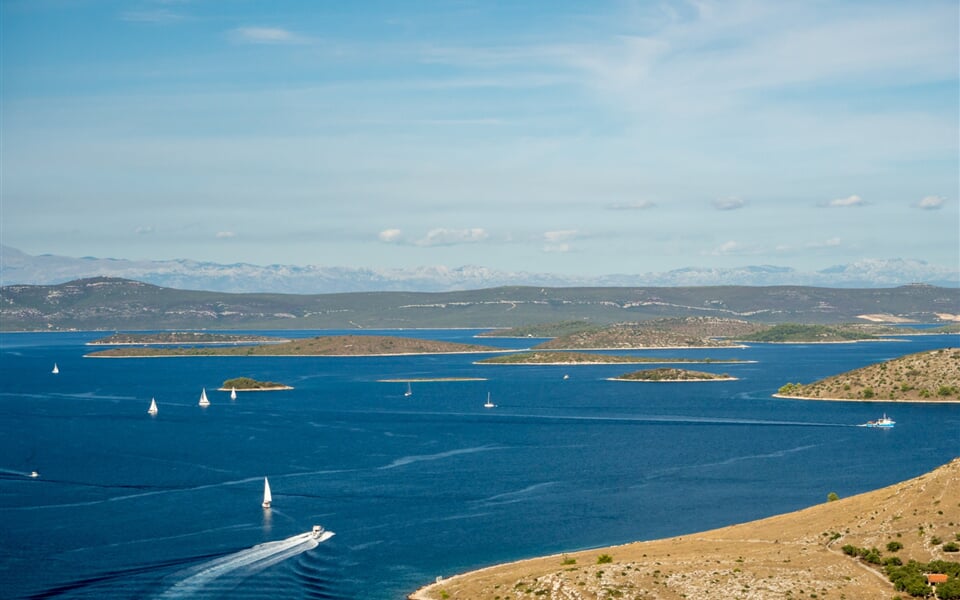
[[673, 380], [293, 355], [261, 389]]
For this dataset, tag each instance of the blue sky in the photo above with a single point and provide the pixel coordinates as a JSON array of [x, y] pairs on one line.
[[566, 137]]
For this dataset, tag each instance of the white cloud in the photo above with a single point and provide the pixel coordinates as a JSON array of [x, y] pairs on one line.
[[830, 243], [729, 203], [729, 247], [853, 200], [557, 241], [638, 205], [390, 235], [450, 237], [931, 202], [144, 230], [226, 235], [265, 35]]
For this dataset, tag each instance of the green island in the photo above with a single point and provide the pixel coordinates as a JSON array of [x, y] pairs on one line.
[[246, 384], [671, 374], [183, 337], [586, 358], [798, 333], [931, 376], [332, 345], [681, 332]]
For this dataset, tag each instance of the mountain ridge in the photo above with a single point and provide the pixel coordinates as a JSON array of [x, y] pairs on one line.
[[17, 267]]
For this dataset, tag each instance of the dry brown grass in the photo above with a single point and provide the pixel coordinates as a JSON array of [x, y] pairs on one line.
[[789, 556]]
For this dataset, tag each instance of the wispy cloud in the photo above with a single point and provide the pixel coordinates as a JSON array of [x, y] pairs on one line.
[[451, 237], [266, 35], [390, 236], [828, 243], [226, 235], [728, 248], [144, 230], [931, 203], [729, 203], [853, 200], [558, 241], [637, 205]]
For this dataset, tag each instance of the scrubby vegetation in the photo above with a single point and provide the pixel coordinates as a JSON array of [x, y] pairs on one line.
[[659, 333], [544, 330], [533, 358], [795, 332], [246, 383], [911, 577], [924, 376], [668, 374]]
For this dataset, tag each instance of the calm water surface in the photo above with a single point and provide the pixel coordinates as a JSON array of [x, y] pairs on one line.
[[128, 505]]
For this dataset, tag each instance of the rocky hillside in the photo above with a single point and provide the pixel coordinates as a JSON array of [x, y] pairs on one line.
[[797, 555], [924, 376], [659, 333]]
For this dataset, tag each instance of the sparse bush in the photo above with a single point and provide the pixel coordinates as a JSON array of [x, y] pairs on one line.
[[604, 558], [894, 546], [832, 497]]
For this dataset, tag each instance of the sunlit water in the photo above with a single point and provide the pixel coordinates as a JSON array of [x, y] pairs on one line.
[[129, 505]]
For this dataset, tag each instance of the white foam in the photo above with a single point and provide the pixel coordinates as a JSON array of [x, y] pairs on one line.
[[241, 564]]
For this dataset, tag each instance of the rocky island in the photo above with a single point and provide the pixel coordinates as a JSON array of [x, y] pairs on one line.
[[183, 337], [672, 375], [587, 358], [932, 376], [246, 384], [331, 345], [796, 333], [686, 332]]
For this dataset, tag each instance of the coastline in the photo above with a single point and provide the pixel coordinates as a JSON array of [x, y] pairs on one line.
[[771, 557], [673, 380], [278, 388], [880, 400], [297, 355]]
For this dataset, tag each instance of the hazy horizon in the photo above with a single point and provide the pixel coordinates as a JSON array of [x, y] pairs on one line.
[[563, 138]]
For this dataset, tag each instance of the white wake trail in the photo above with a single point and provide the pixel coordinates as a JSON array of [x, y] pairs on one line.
[[242, 564]]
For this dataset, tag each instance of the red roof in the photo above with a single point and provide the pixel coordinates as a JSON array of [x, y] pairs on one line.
[[936, 578]]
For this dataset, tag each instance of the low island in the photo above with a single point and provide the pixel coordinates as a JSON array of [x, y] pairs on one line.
[[666, 374], [931, 376], [246, 384], [330, 345], [183, 337], [685, 332], [796, 333], [587, 358], [879, 544]]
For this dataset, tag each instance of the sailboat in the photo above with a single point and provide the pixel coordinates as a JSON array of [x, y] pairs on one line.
[[267, 497], [409, 391], [488, 403], [233, 393], [56, 369], [153, 406], [203, 398]]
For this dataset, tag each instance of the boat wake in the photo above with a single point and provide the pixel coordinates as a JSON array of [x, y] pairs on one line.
[[226, 572]]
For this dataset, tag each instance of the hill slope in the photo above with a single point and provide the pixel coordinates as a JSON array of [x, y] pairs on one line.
[[796, 555], [119, 304]]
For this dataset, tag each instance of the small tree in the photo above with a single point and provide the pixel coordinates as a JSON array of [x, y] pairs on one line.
[[604, 558], [832, 497]]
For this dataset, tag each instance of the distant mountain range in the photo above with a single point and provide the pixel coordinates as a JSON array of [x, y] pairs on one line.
[[17, 267]]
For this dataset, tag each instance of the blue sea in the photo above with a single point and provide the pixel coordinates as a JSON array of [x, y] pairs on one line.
[[126, 505]]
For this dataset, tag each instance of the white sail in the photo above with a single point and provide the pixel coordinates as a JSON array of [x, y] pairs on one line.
[[56, 369], [203, 398], [233, 393], [489, 404], [267, 496], [153, 406], [409, 391]]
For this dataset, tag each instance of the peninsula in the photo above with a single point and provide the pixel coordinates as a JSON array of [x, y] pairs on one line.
[[830, 550], [796, 333], [331, 345], [931, 376], [588, 358]]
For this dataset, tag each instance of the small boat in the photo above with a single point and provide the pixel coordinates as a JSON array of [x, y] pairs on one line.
[[153, 407], [488, 403], [203, 398], [34, 474], [267, 496], [317, 531], [56, 369], [566, 377], [884, 422], [233, 393], [409, 391]]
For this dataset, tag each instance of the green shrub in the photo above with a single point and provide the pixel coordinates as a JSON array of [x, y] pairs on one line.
[[604, 558], [894, 546], [832, 497]]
